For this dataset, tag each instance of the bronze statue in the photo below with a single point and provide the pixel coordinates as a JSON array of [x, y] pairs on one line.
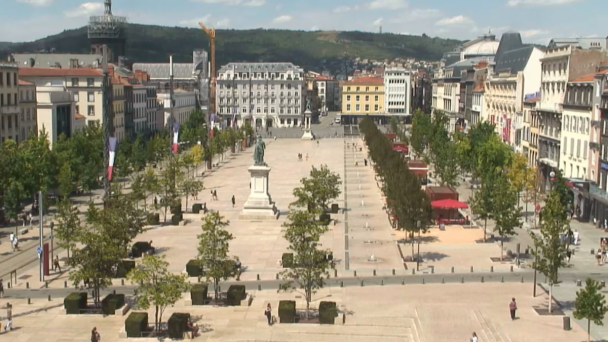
[[308, 103], [258, 152]]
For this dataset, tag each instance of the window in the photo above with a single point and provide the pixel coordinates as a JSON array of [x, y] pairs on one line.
[[347, 97], [90, 82], [358, 88], [367, 108], [91, 96], [358, 108], [376, 98], [347, 88], [348, 107], [366, 98], [91, 110], [366, 88], [74, 82], [376, 107], [8, 80], [76, 97], [585, 149], [357, 98]]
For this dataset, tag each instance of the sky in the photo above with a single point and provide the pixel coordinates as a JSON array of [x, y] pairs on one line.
[[537, 20]]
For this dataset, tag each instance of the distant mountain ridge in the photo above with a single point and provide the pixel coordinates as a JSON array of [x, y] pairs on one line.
[[313, 50]]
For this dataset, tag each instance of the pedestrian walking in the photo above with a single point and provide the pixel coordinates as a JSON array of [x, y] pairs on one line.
[[474, 337], [95, 337], [212, 195], [233, 201], [9, 317], [155, 201], [576, 237], [268, 313], [15, 244], [568, 255], [56, 263], [1, 289], [570, 236], [513, 308], [598, 257], [215, 194], [306, 156]]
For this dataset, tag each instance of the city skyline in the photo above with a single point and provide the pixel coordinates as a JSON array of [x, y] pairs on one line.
[[463, 20]]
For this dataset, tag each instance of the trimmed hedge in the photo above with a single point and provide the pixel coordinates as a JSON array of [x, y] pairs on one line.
[[177, 325], [175, 219], [324, 219], [74, 302], [335, 208], [153, 218], [287, 311], [327, 312], [124, 267], [197, 207], [235, 294], [112, 302], [198, 294], [176, 209], [139, 248], [194, 269], [136, 323], [287, 260]]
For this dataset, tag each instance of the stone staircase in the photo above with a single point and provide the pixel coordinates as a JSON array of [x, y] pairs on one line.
[[488, 331]]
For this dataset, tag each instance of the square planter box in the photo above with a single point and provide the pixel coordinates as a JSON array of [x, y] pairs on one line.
[[287, 311], [198, 294], [136, 323]]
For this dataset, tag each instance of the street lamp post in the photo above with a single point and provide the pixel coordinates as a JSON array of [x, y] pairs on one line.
[[535, 261], [418, 256]]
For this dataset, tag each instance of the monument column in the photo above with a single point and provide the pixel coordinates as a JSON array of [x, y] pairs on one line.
[[259, 205], [307, 121]]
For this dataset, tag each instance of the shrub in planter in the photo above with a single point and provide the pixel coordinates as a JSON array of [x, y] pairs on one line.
[[235, 294], [176, 209], [153, 218], [74, 302], [112, 302], [335, 208], [325, 218], [139, 248], [175, 219], [287, 260], [136, 323], [198, 294], [124, 267], [177, 325], [197, 207], [287, 311], [327, 312], [194, 269]]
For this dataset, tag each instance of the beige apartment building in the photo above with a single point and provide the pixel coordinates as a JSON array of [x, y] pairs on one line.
[[9, 101], [28, 122]]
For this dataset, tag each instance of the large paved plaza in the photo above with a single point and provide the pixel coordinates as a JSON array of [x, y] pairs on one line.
[[446, 312]]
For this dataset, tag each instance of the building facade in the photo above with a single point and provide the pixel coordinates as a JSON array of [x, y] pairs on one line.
[[140, 112], [28, 123], [185, 103], [531, 137], [576, 127], [118, 109], [361, 97], [397, 91], [9, 101], [55, 112], [329, 93], [265, 94]]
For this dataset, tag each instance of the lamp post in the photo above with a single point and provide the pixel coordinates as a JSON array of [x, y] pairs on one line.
[[535, 261], [418, 256]]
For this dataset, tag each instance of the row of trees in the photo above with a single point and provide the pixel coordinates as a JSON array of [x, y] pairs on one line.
[[405, 198]]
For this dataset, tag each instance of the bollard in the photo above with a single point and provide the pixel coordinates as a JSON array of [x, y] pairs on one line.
[[452, 269], [343, 318], [511, 268], [413, 271], [432, 269], [579, 282], [27, 285], [355, 272], [491, 269], [442, 280], [259, 287], [362, 283], [335, 273], [277, 276], [566, 323], [49, 298], [603, 283], [423, 282], [258, 276], [341, 284], [402, 281], [471, 269], [502, 279], [374, 273], [393, 271], [382, 282], [29, 300], [114, 292], [482, 279], [65, 284], [592, 251], [9, 284], [122, 282], [522, 279], [462, 280], [46, 284]]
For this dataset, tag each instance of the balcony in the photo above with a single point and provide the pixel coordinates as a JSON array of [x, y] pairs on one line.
[[289, 95], [273, 96], [282, 95], [596, 123], [245, 95], [594, 145], [8, 110], [258, 95]]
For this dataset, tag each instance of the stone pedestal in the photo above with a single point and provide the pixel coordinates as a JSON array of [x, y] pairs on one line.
[[259, 205], [307, 121]]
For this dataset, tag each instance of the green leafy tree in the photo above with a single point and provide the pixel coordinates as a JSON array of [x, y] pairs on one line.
[[157, 286], [482, 201], [213, 248], [138, 154], [421, 132], [138, 190], [464, 152], [310, 266], [446, 164], [13, 201], [170, 177], [68, 225], [198, 155], [150, 184], [66, 179], [317, 190], [505, 211], [550, 252], [190, 187], [590, 304], [532, 190], [517, 172]]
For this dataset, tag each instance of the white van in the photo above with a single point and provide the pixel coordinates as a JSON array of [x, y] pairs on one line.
[[338, 119]]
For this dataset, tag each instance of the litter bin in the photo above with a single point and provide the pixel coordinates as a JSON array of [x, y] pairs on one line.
[[566, 323]]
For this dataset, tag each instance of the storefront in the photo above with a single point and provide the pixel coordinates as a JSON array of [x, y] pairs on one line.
[[581, 198]]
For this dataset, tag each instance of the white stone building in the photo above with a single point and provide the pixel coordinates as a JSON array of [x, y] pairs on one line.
[[185, 103], [266, 94], [328, 92], [140, 115], [397, 91], [56, 112]]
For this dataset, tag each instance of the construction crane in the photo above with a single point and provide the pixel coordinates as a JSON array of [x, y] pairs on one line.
[[212, 85]]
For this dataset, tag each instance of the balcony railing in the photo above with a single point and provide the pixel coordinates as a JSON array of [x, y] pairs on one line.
[[596, 123], [7, 110], [594, 145]]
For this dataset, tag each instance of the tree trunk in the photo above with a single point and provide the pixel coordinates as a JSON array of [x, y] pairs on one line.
[[501, 248], [588, 330], [156, 321], [186, 202], [550, 298], [485, 229]]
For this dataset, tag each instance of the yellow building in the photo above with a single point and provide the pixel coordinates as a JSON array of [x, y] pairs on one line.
[[118, 108], [361, 97]]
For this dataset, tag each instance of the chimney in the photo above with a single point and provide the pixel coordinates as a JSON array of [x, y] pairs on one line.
[[111, 70]]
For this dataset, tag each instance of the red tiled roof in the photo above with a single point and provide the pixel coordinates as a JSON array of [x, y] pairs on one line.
[[58, 72], [323, 78], [534, 99], [25, 83], [79, 116], [588, 78], [479, 88], [366, 80]]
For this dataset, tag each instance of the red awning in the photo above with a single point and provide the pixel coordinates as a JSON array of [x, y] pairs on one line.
[[449, 204], [569, 184], [400, 149]]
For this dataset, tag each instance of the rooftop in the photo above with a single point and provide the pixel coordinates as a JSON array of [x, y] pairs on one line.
[[25, 83], [162, 70], [63, 60], [588, 78], [50, 72], [366, 80]]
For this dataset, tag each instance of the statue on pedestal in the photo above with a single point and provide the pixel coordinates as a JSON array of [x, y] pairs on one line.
[[308, 104], [258, 152]]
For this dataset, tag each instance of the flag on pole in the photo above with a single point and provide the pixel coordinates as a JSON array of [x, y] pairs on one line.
[[111, 157], [212, 119], [251, 112], [175, 146]]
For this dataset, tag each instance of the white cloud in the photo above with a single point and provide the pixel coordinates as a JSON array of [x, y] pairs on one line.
[[388, 4], [208, 20], [540, 3], [222, 22], [378, 22], [342, 9], [417, 14], [314, 28], [405, 33], [457, 20], [532, 33], [282, 19], [255, 3], [36, 2], [87, 8]]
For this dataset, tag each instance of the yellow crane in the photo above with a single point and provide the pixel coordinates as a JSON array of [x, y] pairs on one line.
[[212, 84]]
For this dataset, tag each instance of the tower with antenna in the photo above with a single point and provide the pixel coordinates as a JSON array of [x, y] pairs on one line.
[[109, 30]]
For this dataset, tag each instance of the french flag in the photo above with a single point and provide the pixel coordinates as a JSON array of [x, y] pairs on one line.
[[175, 137], [234, 117], [112, 156]]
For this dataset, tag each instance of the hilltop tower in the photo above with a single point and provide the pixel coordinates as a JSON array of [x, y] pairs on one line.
[[109, 30]]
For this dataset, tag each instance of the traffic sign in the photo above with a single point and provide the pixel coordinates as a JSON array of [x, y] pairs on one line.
[[38, 250]]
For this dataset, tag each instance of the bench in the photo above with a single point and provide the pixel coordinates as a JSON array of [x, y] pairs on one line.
[[24, 231], [248, 300], [90, 311], [122, 311]]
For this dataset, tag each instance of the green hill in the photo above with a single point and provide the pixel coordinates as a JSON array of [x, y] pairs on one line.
[[315, 50]]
